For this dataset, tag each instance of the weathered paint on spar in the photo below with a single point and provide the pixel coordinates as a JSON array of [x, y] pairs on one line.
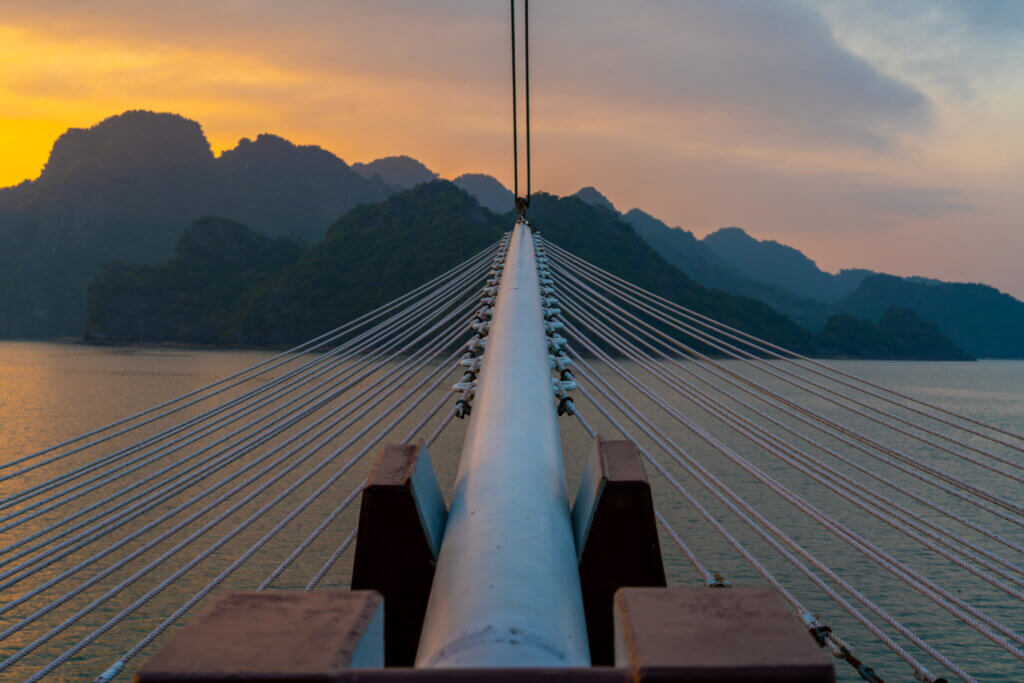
[[507, 591]]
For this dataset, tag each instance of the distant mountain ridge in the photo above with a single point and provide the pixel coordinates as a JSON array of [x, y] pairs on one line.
[[125, 189], [421, 231], [982, 320], [590, 195], [781, 266], [486, 190], [401, 172]]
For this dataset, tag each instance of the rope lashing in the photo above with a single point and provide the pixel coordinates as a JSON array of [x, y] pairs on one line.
[[557, 357], [472, 360]]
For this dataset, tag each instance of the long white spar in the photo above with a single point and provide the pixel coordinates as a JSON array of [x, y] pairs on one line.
[[506, 592]]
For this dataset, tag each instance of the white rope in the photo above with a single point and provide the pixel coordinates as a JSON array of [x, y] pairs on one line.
[[322, 572], [701, 569], [430, 301], [748, 428], [762, 344], [753, 561], [332, 431], [123, 517], [255, 547], [707, 576], [968, 614], [724, 495], [623, 324], [287, 356], [391, 344], [320, 528], [804, 385], [917, 465]]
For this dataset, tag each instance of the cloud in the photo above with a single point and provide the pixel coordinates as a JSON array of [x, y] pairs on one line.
[[772, 71]]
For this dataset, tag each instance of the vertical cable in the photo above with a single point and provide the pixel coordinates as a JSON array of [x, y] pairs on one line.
[[526, 54], [515, 132]]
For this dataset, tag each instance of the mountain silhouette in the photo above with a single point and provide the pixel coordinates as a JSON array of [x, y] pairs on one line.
[[124, 190], [402, 172], [695, 258], [781, 266], [377, 251], [981, 319], [591, 196], [487, 190], [276, 187], [195, 295], [899, 335]]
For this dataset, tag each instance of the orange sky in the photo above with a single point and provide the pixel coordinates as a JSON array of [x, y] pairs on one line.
[[863, 135]]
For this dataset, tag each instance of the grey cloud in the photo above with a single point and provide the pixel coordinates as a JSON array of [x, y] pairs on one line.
[[771, 71], [775, 67]]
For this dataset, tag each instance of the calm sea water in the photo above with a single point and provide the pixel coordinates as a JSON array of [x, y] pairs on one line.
[[50, 392]]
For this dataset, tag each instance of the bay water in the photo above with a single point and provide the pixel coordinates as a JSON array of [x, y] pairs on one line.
[[50, 392]]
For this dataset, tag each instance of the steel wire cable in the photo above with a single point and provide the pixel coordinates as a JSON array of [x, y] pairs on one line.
[[397, 334], [332, 430], [952, 604], [606, 277], [899, 650], [705, 575], [915, 462], [435, 295], [662, 373], [515, 110], [722, 493], [181, 442], [330, 562], [764, 345], [840, 436], [831, 641], [277, 360], [123, 516], [770, 443], [791, 357], [805, 385], [628, 328], [424, 357], [326, 522], [685, 549], [253, 549], [947, 601]]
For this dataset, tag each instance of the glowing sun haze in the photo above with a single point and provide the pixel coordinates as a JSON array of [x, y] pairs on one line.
[[866, 133]]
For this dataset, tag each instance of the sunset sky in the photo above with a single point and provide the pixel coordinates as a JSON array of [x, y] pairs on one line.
[[865, 132]]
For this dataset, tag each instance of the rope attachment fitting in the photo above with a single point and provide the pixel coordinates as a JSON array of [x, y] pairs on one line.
[[557, 344], [472, 360]]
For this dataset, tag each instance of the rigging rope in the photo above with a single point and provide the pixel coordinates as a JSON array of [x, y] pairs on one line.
[[273, 362], [172, 490], [355, 373], [740, 548], [522, 203], [332, 431], [916, 464], [387, 330], [970, 615], [777, 351], [772, 445]]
